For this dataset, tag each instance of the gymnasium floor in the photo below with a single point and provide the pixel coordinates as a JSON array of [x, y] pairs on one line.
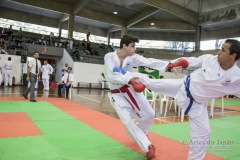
[[87, 127]]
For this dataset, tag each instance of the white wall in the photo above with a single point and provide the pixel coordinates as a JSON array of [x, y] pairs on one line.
[[90, 73], [17, 66], [87, 72]]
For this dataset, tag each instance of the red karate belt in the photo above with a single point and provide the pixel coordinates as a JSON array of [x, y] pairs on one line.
[[124, 89]]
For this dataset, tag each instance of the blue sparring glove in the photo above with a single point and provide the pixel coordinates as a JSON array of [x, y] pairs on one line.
[[120, 70]]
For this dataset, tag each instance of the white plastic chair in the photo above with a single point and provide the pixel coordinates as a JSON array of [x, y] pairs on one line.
[[181, 113], [151, 99], [70, 92], [162, 98], [172, 102], [212, 106]]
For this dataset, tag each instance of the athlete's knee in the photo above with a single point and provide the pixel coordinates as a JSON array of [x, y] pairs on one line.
[[148, 117], [206, 131]]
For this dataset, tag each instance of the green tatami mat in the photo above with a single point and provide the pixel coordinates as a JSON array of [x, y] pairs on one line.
[[223, 130], [63, 138], [235, 103]]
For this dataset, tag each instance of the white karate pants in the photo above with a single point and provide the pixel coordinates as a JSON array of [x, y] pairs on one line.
[[8, 78], [198, 115], [125, 112], [45, 83]]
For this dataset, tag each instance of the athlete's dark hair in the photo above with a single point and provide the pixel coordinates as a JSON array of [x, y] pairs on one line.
[[234, 48], [127, 39]]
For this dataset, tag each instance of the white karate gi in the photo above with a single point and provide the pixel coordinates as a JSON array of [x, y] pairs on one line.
[[1, 73], [121, 101], [8, 73], [103, 81], [208, 82], [46, 71]]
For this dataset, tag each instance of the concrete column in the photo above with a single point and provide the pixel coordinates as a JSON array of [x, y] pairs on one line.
[[198, 38], [59, 29], [71, 25], [108, 37], [124, 31]]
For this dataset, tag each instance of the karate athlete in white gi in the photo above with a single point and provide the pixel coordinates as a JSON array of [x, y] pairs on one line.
[[8, 72], [103, 80], [128, 103], [217, 76], [46, 71], [1, 72]]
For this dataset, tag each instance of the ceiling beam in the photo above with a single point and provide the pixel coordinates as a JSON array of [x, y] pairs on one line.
[[50, 5], [220, 34], [139, 17], [114, 29], [64, 18], [75, 9], [78, 6], [166, 25], [221, 15], [86, 13], [181, 12]]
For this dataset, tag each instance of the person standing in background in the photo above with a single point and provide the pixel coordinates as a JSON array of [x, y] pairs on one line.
[[51, 38], [103, 80], [8, 72], [46, 71], [1, 72], [88, 36], [64, 70], [33, 72]]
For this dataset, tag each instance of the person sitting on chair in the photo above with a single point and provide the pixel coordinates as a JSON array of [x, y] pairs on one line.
[[67, 80]]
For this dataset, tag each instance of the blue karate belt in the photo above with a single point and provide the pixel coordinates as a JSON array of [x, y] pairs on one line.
[[187, 86]]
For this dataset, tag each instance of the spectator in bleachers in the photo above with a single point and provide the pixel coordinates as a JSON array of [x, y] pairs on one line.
[[19, 49], [3, 49], [1, 42], [9, 32], [3, 34], [102, 46], [88, 36], [76, 53], [70, 43], [89, 48], [84, 45], [19, 35], [51, 38], [42, 41], [29, 40], [110, 49]]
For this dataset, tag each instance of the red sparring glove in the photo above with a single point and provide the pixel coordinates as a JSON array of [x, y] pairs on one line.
[[137, 86], [181, 62]]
